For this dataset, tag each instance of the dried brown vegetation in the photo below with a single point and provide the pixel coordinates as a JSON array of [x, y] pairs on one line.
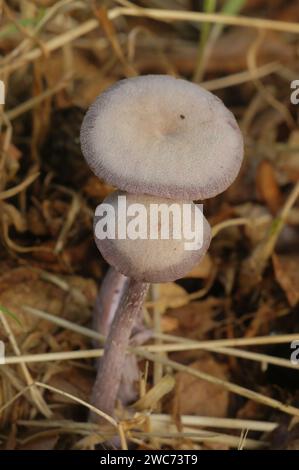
[[218, 363]]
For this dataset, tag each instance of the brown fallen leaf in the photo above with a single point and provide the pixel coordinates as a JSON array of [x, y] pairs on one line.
[[288, 12], [89, 81], [260, 320], [169, 324], [23, 286], [197, 397], [251, 410], [285, 437], [196, 319], [267, 186], [288, 162], [45, 440], [171, 295], [12, 161], [73, 381], [96, 188], [203, 269], [286, 269]]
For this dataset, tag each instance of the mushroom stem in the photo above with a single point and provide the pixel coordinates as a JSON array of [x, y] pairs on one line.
[[111, 365], [108, 300]]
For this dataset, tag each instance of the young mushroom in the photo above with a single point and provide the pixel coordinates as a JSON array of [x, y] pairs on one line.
[[143, 259], [155, 137]]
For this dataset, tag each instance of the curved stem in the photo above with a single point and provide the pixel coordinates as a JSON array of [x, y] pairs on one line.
[[111, 366], [108, 299]]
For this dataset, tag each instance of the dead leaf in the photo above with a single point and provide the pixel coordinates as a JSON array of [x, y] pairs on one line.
[[286, 270], [203, 269], [259, 221], [169, 324], [46, 440], [155, 394], [171, 295], [288, 162], [198, 397], [89, 79], [96, 188], [23, 286], [73, 381], [12, 160], [197, 318], [267, 186]]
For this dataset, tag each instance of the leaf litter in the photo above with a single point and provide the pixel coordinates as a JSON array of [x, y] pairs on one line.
[[55, 58]]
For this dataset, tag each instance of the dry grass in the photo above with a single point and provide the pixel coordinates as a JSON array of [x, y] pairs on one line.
[[56, 59]]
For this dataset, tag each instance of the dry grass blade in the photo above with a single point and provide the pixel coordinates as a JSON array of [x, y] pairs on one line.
[[49, 14], [70, 219], [202, 436], [257, 261], [20, 187], [102, 15], [108, 418], [154, 395], [174, 365], [155, 295], [54, 356], [189, 345], [90, 25], [216, 18], [32, 102], [231, 387], [262, 358], [53, 44], [35, 393], [94, 353], [207, 421], [180, 343], [64, 323], [241, 77]]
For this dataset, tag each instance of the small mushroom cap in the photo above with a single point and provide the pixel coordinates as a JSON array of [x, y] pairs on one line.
[[162, 136], [151, 260]]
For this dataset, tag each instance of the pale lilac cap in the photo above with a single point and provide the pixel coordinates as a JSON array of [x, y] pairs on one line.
[[162, 136], [150, 260]]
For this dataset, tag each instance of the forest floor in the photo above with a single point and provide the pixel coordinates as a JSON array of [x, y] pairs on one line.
[[223, 377]]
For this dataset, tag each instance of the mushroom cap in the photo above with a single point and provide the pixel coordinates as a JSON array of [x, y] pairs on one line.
[[151, 260], [162, 136]]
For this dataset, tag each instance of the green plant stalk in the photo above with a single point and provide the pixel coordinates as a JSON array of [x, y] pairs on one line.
[[7, 312], [209, 36], [209, 7]]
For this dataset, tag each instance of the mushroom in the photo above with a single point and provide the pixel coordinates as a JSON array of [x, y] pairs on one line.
[[162, 140], [150, 253], [142, 260], [162, 136]]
